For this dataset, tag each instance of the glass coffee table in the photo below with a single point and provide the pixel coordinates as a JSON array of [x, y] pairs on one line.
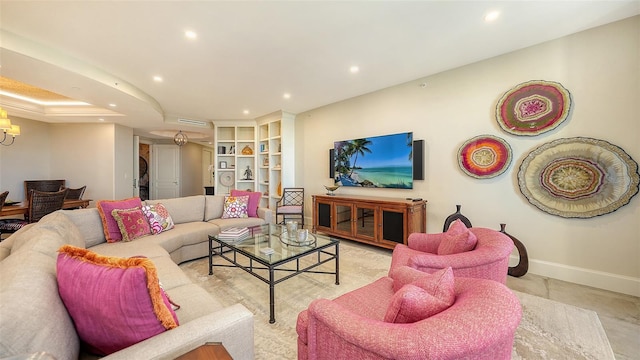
[[288, 259]]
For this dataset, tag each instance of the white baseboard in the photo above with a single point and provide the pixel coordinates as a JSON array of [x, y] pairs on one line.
[[598, 279]]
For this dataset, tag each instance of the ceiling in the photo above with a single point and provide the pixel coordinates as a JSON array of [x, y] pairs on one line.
[[248, 54]]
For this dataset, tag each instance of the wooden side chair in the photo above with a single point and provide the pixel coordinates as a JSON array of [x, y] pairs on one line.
[[41, 203], [291, 205]]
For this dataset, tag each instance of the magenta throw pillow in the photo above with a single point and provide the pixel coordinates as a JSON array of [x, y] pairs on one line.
[[457, 239], [114, 302], [109, 224], [132, 223], [254, 200]]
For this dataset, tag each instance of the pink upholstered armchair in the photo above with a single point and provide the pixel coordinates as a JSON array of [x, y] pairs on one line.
[[489, 259], [480, 324]]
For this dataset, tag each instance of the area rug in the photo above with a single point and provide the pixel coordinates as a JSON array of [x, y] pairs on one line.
[[548, 330]]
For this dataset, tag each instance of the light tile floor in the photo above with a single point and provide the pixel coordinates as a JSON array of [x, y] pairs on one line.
[[619, 313]]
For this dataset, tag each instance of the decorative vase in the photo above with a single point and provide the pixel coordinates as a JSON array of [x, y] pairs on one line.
[[279, 191]]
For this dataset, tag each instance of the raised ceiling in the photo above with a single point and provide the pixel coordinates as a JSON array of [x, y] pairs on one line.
[[248, 54]]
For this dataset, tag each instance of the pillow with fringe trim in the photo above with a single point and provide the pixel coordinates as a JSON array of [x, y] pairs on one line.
[[114, 302]]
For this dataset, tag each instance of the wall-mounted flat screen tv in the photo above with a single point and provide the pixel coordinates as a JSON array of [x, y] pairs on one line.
[[375, 162]]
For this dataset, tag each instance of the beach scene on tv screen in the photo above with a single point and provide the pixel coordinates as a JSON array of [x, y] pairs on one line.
[[376, 162]]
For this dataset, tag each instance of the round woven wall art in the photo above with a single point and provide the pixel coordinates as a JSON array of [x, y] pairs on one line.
[[578, 177], [533, 107], [484, 156]]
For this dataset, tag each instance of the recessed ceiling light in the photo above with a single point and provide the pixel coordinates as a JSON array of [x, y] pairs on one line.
[[101, 119], [491, 16], [286, 96], [246, 112], [354, 69], [113, 105], [190, 34], [157, 78]]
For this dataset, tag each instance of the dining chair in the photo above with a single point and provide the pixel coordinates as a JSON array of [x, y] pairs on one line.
[[3, 198], [42, 185], [291, 205], [41, 203], [75, 194]]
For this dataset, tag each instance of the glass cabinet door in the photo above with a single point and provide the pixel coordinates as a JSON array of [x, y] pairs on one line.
[[343, 218], [366, 221]]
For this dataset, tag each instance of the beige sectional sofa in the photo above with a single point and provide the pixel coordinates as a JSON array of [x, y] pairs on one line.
[[34, 319]]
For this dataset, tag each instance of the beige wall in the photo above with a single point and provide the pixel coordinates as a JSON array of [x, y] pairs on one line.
[[600, 68]]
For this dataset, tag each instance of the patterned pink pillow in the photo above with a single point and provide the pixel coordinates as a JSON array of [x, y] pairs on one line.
[[132, 223], [404, 275], [235, 207], [254, 201], [419, 294], [109, 225], [158, 217], [114, 302], [457, 239], [412, 304]]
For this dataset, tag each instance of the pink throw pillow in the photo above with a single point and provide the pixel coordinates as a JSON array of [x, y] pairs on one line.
[[412, 304], [254, 200], [419, 295], [109, 224], [457, 239], [235, 207], [132, 223], [114, 302], [158, 217]]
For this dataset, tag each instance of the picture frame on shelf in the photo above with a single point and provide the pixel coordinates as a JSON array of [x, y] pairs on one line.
[[223, 164]]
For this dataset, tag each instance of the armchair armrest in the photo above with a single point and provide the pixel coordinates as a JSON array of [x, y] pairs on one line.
[[266, 214], [425, 242]]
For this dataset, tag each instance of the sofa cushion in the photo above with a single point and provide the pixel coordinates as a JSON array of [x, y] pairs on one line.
[[158, 218], [183, 209], [89, 222], [114, 302], [32, 315], [109, 224], [254, 200], [457, 239], [235, 207], [53, 231], [132, 223], [213, 207]]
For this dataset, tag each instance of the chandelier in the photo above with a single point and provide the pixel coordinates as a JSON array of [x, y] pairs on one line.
[[7, 129], [180, 138]]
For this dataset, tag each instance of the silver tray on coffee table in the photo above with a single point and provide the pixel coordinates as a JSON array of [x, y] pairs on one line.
[[293, 241]]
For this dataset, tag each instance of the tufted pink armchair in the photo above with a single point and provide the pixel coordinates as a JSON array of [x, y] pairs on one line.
[[480, 324], [488, 260]]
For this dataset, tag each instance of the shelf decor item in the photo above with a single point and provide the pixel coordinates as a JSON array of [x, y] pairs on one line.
[[247, 150], [484, 156], [578, 177], [533, 108]]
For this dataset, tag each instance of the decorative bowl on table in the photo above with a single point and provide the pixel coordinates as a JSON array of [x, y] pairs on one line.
[[331, 189]]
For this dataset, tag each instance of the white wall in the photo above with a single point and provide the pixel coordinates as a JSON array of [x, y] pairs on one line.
[[83, 154], [27, 159], [600, 67]]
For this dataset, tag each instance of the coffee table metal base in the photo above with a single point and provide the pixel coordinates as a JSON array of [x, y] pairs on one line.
[[230, 253]]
